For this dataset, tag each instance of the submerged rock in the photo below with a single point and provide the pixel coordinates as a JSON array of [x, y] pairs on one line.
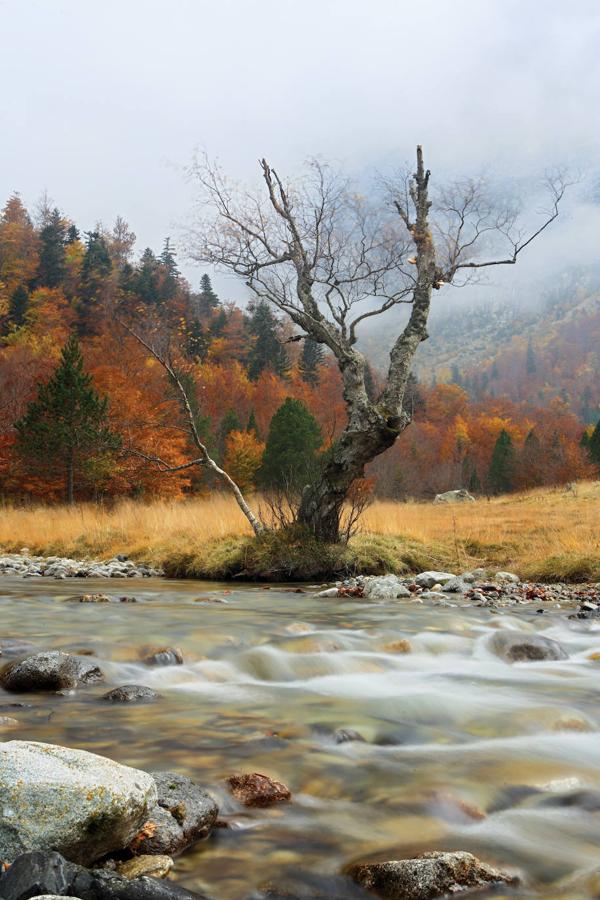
[[76, 802], [51, 671], [164, 656], [517, 646], [48, 873], [428, 876], [131, 693], [258, 790], [183, 814]]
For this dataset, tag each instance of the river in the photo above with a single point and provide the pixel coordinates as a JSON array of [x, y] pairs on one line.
[[461, 750]]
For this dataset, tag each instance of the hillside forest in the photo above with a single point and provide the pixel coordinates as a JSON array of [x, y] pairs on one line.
[[87, 413]]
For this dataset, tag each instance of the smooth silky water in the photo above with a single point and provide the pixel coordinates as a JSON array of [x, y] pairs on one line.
[[451, 732]]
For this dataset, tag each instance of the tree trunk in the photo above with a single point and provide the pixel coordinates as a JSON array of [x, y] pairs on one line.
[[322, 503], [70, 480]]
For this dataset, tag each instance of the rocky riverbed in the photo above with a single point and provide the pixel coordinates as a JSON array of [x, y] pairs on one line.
[[26, 566], [246, 742]]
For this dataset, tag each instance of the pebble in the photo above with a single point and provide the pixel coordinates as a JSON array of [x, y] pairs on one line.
[[26, 566]]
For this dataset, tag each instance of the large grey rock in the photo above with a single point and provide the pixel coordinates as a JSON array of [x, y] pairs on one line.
[[460, 496], [454, 586], [428, 876], [50, 873], [517, 646], [385, 587], [78, 803], [509, 577], [184, 813], [428, 579], [51, 671]]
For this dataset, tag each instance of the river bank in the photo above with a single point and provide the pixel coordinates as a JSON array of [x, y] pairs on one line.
[[545, 535]]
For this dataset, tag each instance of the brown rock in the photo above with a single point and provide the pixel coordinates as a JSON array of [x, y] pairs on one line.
[[258, 790], [151, 866], [428, 876]]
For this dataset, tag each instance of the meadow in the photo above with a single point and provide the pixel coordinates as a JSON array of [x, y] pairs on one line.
[[545, 534]]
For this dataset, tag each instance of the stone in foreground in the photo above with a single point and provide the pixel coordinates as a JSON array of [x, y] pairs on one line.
[[429, 579], [51, 671], [78, 803], [183, 814], [258, 790], [385, 587], [131, 693], [42, 874], [428, 876], [164, 656], [517, 646]]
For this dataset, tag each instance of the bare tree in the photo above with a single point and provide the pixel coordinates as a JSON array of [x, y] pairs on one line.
[[162, 356], [330, 259]]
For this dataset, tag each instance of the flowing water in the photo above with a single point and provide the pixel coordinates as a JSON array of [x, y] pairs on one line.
[[461, 750]]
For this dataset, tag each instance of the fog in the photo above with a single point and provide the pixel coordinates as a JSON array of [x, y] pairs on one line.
[[102, 105]]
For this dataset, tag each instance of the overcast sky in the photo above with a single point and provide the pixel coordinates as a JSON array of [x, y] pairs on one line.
[[102, 103]]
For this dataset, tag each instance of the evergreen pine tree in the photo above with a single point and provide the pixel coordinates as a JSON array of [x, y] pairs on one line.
[[52, 261], [252, 423], [290, 458], [594, 445], [198, 340], [268, 352], [530, 362], [17, 307], [147, 278], [500, 473], [206, 300], [95, 271], [310, 359], [169, 273], [67, 424], [72, 234]]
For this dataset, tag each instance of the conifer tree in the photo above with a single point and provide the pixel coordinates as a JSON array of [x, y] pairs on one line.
[[310, 359], [95, 271], [17, 308], [594, 445], [198, 340], [268, 352], [52, 261], [206, 300], [147, 278], [290, 458], [72, 234], [252, 424], [67, 424], [169, 273], [500, 474]]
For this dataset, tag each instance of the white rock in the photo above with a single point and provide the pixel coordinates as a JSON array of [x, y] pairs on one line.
[[80, 804], [508, 576], [428, 579]]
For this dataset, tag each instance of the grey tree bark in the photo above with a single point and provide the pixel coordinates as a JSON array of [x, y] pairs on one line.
[[329, 259]]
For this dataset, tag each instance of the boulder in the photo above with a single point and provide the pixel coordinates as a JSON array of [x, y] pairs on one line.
[[255, 789], [164, 656], [386, 587], [76, 802], [131, 693], [508, 577], [51, 671], [460, 496], [48, 873], [428, 876], [454, 586], [428, 579], [183, 814], [518, 646]]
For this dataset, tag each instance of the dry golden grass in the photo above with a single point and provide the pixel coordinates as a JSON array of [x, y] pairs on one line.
[[546, 533]]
